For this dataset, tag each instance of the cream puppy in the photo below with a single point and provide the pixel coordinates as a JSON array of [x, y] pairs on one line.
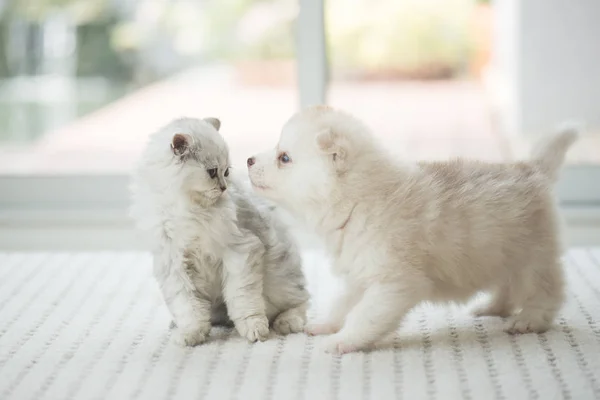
[[404, 233]]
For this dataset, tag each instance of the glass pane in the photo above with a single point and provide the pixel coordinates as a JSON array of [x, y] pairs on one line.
[[85, 81]]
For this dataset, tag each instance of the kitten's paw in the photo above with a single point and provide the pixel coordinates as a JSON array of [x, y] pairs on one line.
[[287, 323], [526, 324], [189, 337], [321, 329], [336, 344], [253, 328]]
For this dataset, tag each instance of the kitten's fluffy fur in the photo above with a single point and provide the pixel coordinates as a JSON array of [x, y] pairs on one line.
[[219, 253], [400, 234]]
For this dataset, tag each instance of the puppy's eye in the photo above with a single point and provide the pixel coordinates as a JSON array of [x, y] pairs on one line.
[[284, 158], [226, 172], [212, 172]]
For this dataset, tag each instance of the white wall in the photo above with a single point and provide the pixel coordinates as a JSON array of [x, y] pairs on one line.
[[547, 61]]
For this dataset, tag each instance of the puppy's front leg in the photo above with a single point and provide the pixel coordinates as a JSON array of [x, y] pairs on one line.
[[340, 308], [378, 313], [243, 296]]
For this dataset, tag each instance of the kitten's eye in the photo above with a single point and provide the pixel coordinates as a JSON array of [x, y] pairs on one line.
[[212, 173], [226, 172], [284, 158]]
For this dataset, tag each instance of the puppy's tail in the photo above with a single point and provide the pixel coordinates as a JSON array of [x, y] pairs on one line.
[[549, 154]]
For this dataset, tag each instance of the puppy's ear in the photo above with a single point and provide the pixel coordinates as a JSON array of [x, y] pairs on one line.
[[181, 144], [214, 122], [336, 145]]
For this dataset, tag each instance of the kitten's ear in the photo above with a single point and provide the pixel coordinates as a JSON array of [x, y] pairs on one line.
[[336, 145], [181, 143], [214, 122]]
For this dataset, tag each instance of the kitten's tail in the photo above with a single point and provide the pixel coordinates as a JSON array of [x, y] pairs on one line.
[[549, 155]]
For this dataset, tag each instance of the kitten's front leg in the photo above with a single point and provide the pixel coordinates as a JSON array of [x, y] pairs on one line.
[[191, 313], [243, 295]]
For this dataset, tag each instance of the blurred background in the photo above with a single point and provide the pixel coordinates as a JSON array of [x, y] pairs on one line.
[[83, 83]]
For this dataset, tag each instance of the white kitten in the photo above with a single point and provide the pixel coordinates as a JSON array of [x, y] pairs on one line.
[[405, 233], [219, 253]]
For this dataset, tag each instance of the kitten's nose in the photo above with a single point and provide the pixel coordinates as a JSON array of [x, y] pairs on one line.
[[251, 161]]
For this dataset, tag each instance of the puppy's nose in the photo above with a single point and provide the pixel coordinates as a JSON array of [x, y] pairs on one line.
[[223, 188], [251, 161]]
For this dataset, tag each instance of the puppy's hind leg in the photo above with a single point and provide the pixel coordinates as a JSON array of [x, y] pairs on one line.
[[544, 300]]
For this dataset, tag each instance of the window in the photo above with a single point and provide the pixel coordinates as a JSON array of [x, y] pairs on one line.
[[84, 82]]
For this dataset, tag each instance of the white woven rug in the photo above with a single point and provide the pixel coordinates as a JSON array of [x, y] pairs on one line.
[[92, 326]]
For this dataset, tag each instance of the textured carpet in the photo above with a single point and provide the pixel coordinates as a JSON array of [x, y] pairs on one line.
[[93, 326]]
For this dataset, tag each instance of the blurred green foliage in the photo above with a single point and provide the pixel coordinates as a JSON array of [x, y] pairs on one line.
[[363, 35], [402, 36], [79, 11]]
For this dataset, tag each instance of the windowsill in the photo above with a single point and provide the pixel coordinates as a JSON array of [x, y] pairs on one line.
[[113, 230]]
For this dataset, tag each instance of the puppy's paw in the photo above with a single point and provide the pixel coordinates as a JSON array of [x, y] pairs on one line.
[[193, 337], [287, 323], [526, 324], [253, 328], [321, 329], [336, 344]]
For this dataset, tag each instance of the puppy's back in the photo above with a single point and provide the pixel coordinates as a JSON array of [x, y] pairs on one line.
[[485, 216]]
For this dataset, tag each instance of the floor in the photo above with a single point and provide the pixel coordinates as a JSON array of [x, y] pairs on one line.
[[417, 120], [93, 326]]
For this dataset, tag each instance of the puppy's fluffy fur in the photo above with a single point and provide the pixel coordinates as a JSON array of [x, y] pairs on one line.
[[401, 234], [219, 253]]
